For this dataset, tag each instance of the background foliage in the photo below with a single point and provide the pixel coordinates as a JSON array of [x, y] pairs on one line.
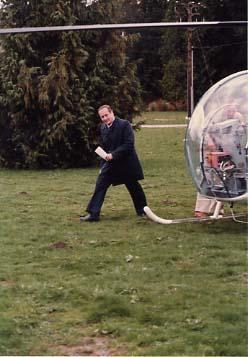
[[52, 83]]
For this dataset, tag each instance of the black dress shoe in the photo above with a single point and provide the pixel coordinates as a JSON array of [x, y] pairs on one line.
[[89, 218]]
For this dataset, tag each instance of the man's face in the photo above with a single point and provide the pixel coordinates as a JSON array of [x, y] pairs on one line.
[[107, 117], [231, 110]]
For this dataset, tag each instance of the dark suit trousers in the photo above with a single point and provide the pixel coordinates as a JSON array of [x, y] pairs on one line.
[[102, 184]]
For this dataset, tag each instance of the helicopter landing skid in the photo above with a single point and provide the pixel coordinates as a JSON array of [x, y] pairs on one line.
[[160, 220]]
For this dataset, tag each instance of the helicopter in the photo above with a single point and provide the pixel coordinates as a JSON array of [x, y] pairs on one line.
[[216, 147]]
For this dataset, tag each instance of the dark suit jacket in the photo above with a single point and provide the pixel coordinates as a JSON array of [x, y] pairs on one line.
[[119, 141]]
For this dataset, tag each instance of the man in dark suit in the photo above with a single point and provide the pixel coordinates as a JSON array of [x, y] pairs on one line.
[[120, 165]]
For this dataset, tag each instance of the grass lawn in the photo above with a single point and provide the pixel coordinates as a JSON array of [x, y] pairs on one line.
[[124, 285], [158, 118]]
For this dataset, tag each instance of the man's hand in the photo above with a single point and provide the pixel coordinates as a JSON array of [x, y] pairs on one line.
[[108, 157]]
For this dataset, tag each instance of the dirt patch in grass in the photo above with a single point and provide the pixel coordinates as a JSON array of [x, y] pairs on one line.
[[7, 283], [169, 203], [59, 245], [23, 193], [90, 346], [244, 277]]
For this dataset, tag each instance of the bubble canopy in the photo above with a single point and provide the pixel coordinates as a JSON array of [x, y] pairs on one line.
[[216, 145]]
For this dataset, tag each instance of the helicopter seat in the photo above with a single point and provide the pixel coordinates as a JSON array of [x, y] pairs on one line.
[[215, 158]]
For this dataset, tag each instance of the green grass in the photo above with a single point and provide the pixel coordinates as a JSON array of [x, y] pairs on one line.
[[158, 118], [150, 289]]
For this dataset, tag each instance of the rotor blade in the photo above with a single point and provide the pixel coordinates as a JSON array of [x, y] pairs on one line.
[[20, 30]]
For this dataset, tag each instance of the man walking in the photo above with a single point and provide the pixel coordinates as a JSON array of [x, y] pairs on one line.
[[120, 165]]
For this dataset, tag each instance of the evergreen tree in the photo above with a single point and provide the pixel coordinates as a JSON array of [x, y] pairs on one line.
[[174, 82], [174, 58], [52, 83], [147, 49], [111, 73], [220, 52], [217, 52]]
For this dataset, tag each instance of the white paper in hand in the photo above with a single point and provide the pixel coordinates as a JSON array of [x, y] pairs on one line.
[[101, 152]]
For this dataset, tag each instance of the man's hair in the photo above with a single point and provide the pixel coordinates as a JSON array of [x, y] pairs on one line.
[[105, 106]]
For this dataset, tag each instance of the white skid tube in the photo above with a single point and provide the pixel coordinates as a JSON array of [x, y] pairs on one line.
[[156, 218], [160, 220], [215, 217]]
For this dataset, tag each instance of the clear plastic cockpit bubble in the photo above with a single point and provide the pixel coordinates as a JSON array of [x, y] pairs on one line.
[[216, 144]]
